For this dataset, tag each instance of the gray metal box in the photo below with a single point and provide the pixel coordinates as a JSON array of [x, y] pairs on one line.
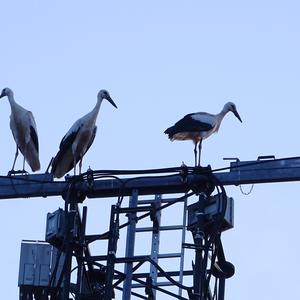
[[35, 261], [211, 210], [55, 227]]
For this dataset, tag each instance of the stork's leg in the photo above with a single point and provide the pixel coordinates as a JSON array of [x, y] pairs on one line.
[[74, 164], [23, 164], [195, 153], [16, 155], [199, 152], [80, 164], [25, 151]]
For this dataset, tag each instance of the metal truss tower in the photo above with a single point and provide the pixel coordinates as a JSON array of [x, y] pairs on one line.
[[46, 269]]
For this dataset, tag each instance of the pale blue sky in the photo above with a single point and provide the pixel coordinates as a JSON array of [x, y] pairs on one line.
[[161, 60]]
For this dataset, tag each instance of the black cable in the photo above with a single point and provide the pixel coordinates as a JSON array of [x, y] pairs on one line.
[[190, 170], [139, 178], [105, 234], [223, 200], [167, 292], [161, 270], [215, 296], [158, 209], [135, 172], [213, 260], [215, 231], [186, 168], [84, 176], [54, 271]]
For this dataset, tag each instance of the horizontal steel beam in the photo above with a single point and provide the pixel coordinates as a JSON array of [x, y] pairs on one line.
[[261, 171], [257, 171]]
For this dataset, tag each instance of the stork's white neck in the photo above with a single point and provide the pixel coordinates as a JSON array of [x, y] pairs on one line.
[[220, 117], [94, 112], [224, 111], [11, 99], [98, 104]]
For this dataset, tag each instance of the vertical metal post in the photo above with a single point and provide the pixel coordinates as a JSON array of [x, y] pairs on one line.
[[222, 288], [80, 252], [182, 242], [111, 252], [130, 241], [155, 241], [199, 270], [69, 219], [67, 275]]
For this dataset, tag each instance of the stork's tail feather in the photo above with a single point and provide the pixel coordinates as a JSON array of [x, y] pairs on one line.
[[32, 157], [170, 132], [35, 165], [62, 164]]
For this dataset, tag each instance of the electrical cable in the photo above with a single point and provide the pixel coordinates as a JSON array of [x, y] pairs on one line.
[[105, 234], [54, 271], [213, 260], [158, 209], [140, 178], [215, 232], [161, 270], [215, 295], [190, 170], [248, 192], [135, 172]]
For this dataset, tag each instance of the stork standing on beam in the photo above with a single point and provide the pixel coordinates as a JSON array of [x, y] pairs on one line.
[[23, 127], [78, 140], [199, 126]]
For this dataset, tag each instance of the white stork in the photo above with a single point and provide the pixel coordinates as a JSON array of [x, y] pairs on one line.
[[199, 126], [78, 140], [24, 131]]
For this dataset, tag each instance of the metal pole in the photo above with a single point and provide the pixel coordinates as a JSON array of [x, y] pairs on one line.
[[130, 241], [67, 275], [68, 251], [111, 253], [182, 242], [79, 253], [155, 242], [199, 271], [222, 288]]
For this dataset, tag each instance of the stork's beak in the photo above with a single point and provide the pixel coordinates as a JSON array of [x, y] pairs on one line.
[[2, 94], [111, 102], [237, 115]]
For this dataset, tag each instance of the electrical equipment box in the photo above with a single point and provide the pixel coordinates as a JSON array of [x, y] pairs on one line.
[[213, 208], [34, 264], [55, 227], [39, 263]]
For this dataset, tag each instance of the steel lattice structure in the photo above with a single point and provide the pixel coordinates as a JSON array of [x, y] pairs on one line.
[[97, 276]]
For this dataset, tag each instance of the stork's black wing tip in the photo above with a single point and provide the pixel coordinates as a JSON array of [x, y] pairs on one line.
[[168, 130]]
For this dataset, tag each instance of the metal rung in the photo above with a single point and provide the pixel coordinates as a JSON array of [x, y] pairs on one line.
[[169, 255], [166, 283], [126, 210], [162, 228], [169, 200]]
